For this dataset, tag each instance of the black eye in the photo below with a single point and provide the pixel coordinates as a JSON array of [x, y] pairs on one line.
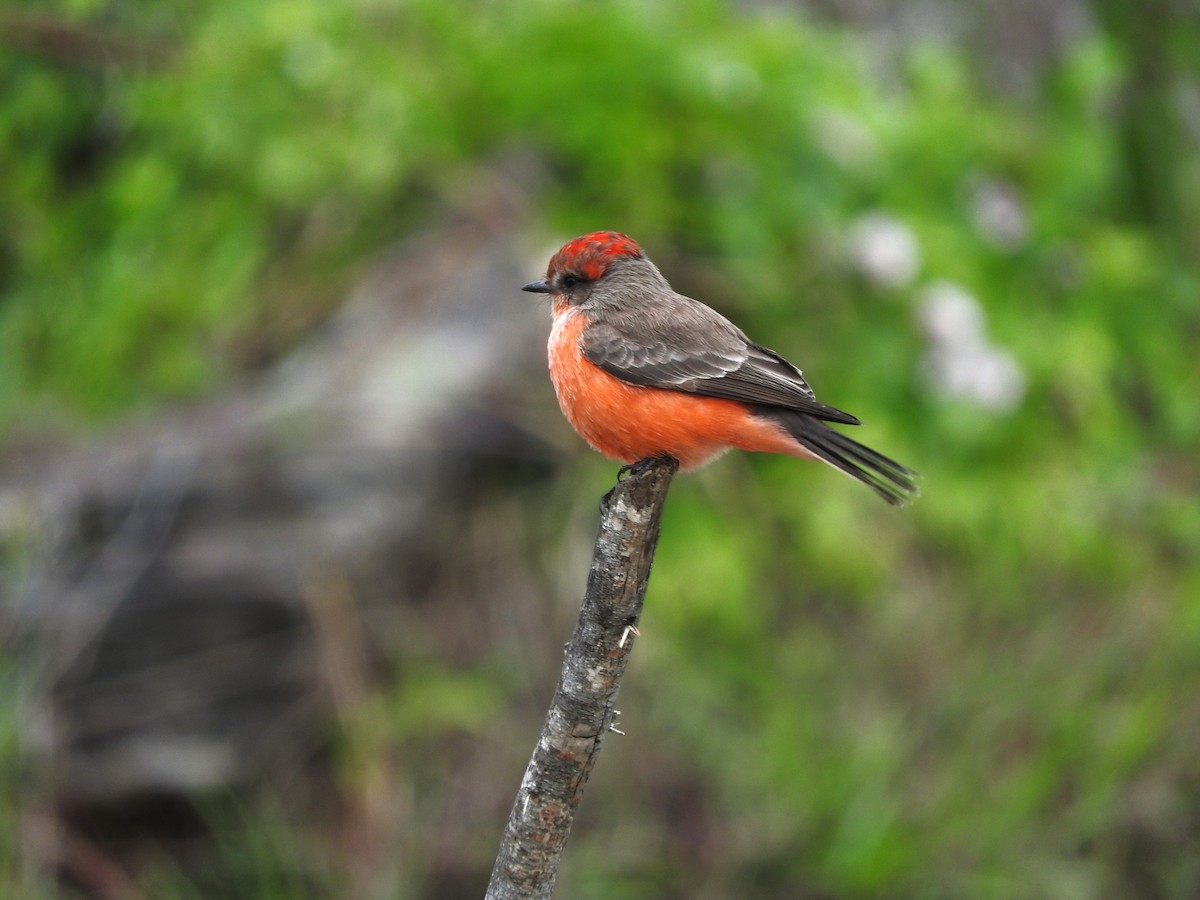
[[570, 280]]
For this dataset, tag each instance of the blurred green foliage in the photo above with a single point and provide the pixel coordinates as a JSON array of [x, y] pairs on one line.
[[990, 695]]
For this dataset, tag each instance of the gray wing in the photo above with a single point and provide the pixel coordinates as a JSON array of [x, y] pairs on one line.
[[682, 345]]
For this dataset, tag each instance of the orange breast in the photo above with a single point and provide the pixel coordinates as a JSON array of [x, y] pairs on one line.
[[628, 422]]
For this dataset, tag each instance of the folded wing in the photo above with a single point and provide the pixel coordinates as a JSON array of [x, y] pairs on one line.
[[682, 345]]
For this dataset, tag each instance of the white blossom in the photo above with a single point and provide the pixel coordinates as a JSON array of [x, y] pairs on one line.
[[961, 362], [885, 249], [999, 214]]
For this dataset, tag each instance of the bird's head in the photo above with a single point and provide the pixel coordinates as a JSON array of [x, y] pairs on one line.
[[597, 260]]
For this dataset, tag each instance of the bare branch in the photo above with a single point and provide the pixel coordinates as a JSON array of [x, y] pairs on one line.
[[581, 713]]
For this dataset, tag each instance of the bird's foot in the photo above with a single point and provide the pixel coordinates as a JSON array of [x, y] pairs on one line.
[[636, 468], [631, 469]]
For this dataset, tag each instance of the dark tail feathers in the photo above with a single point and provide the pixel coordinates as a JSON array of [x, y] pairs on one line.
[[893, 482]]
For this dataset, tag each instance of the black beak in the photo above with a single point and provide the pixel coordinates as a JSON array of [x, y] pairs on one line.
[[538, 287]]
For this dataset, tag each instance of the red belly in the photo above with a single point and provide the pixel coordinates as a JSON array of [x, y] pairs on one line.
[[628, 422]]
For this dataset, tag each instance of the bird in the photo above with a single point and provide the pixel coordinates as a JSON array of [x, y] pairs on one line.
[[641, 371]]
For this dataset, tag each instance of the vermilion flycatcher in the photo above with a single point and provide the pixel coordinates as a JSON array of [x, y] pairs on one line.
[[642, 371]]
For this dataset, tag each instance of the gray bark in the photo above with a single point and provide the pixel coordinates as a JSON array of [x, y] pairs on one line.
[[581, 713]]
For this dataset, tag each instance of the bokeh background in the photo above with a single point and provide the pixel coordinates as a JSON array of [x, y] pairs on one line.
[[292, 533]]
